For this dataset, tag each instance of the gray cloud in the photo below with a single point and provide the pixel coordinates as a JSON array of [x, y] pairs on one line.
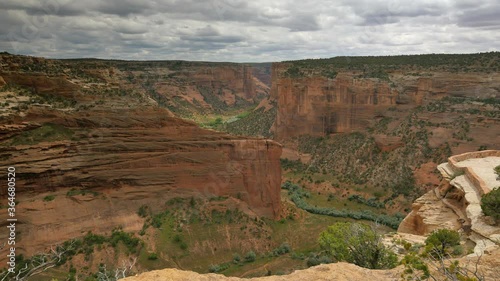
[[238, 30], [488, 16]]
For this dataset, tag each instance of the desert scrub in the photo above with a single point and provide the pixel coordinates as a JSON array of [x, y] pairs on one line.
[[490, 203], [49, 198], [47, 132]]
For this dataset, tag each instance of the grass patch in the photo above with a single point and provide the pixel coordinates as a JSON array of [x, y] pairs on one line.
[[49, 198], [47, 132]]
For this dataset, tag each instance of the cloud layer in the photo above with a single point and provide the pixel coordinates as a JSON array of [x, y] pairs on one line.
[[246, 31]]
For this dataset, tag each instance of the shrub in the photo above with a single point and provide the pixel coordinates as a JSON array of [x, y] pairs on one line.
[[250, 256], [440, 240], [236, 258], [152, 256], [49, 198], [178, 240], [284, 248], [127, 239], [143, 211], [490, 203], [214, 268], [356, 243], [312, 261]]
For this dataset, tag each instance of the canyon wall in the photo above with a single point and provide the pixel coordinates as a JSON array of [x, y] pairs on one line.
[[114, 162], [314, 103], [320, 106], [93, 140], [184, 87]]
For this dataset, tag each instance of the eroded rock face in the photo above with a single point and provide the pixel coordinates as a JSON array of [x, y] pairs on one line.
[[317, 105], [428, 214], [455, 204], [320, 106], [187, 87], [119, 161]]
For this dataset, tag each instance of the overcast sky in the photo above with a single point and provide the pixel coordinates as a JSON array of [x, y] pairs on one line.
[[246, 31]]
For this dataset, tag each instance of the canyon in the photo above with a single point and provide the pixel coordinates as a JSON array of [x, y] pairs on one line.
[[90, 149], [314, 103], [100, 145]]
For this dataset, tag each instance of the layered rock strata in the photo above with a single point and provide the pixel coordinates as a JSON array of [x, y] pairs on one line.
[[111, 163]]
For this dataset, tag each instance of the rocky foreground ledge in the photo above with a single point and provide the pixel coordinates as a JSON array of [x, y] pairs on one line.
[[338, 271], [326, 272], [455, 204]]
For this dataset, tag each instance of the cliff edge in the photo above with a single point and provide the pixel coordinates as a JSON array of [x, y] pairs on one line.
[[455, 204]]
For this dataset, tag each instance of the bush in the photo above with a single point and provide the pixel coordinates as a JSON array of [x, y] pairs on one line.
[[127, 239], [356, 243], [49, 198], [236, 258], [178, 240], [143, 211], [152, 256], [440, 240], [250, 256], [315, 259], [284, 248], [490, 203], [214, 268]]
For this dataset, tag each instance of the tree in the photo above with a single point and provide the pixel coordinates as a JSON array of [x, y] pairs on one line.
[[440, 240], [356, 243], [490, 203]]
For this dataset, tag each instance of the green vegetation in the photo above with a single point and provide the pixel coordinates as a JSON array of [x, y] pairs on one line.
[[298, 195], [253, 123], [358, 244], [490, 203], [250, 256], [125, 238], [378, 66], [49, 198], [372, 202], [418, 259], [47, 132], [284, 248], [367, 165], [293, 72], [294, 165], [441, 240], [152, 256], [143, 211], [180, 241]]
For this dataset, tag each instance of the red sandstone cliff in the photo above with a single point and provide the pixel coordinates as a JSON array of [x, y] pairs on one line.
[[311, 103], [126, 159], [88, 126], [187, 87]]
